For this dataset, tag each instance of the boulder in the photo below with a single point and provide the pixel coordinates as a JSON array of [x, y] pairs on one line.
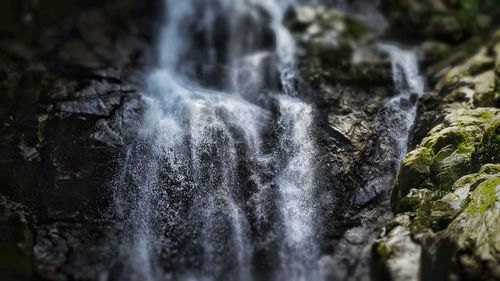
[[414, 171], [444, 236], [328, 40]]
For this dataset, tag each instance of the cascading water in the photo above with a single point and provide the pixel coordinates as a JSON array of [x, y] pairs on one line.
[[219, 185], [409, 86], [398, 116]]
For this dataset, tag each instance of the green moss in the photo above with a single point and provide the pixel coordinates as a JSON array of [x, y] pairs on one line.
[[490, 169], [488, 150], [414, 199], [422, 218], [415, 170], [418, 160], [382, 251], [484, 197], [443, 136], [466, 146]]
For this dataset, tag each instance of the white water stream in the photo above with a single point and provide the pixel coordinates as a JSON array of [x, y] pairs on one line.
[[220, 175]]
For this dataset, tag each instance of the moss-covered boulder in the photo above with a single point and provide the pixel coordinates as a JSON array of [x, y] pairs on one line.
[[326, 33], [447, 152], [328, 40], [471, 72], [488, 150], [444, 236], [448, 188], [473, 235], [415, 170]]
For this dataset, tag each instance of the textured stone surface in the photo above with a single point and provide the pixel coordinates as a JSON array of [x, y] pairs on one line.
[[69, 102], [447, 194]]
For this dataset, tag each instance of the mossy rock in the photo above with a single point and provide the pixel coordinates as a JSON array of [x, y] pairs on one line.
[[457, 231], [447, 152], [461, 128], [448, 166], [327, 39], [475, 73], [484, 90], [415, 170], [396, 247], [475, 232], [488, 150], [485, 196], [414, 199]]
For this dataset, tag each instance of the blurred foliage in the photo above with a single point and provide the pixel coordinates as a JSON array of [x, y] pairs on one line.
[[448, 20]]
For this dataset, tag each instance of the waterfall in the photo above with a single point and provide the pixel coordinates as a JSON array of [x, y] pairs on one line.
[[409, 87], [219, 183], [398, 116]]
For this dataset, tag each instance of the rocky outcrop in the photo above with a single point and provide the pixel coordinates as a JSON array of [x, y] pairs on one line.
[[447, 197], [69, 102], [351, 84]]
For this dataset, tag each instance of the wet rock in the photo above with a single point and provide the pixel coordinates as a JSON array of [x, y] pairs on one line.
[[349, 86], [69, 103], [445, 230], [398, 256], [484, 87], [75, 250], [414, 199], [99, 106], [329, 42], [414, 171], [437, 193]]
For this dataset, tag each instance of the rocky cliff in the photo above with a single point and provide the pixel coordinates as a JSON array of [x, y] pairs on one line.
[[446, 198], [71, 78]]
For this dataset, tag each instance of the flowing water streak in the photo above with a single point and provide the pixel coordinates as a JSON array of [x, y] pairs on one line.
[[398, 118], [180, 195], [409, 86], [299, 250]]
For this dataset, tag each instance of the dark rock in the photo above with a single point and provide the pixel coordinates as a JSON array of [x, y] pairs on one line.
[[69, 103]]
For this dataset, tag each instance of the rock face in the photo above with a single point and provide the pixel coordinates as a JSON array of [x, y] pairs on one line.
[[70, 102], [351, 85], [68, 105], [447, 197]]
